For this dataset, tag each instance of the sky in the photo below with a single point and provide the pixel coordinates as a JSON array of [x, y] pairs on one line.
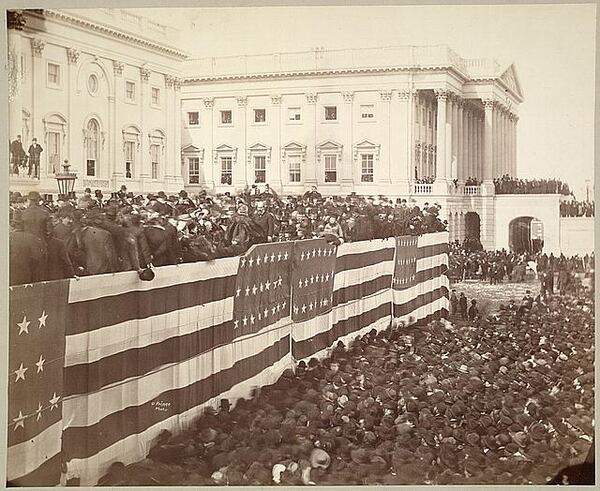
[[552, 46]]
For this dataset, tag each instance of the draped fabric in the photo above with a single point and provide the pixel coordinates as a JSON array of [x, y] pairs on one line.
[[133, 358]]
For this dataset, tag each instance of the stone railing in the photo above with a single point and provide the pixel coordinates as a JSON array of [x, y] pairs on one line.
[[472, 190], [423, 188]]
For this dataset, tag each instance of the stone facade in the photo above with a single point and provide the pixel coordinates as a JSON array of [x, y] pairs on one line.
[[102, 98]]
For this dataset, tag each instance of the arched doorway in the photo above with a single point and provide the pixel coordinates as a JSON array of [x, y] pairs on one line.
[[526, 234], [472, 231]]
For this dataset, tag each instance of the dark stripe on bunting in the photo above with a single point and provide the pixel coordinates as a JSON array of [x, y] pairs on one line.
[[323, 340], [431, 250], [429, 274], [360, 260], [47, 474], [83, 442], [421, 300], [135, 362], [94, 314], [361, 290]]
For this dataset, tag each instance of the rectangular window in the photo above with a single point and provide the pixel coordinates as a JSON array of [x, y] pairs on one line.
[[226, 170], [226, 117], [129, 157], [330, 168], [130, 91], [366, 111], [330, 113], [260, 169], [53, 152], [194, 170], [53, 74], [260, 115], [294, 114], [193, 118], [155, 160], [366, 173], [90, 168], [294, 163], [155, 96]]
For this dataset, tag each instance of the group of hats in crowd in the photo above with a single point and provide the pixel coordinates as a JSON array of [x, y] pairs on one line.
[[203, 220], [576, 208], [512, 185], [507, 402]]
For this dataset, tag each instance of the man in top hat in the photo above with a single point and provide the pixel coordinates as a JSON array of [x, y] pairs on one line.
[[266, 221], [17, 155], [36, 219], [243, 232], [35, 150]]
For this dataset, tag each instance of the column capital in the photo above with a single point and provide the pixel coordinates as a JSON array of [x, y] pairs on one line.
[[242, 101], [176, 83], [73, 56], [37, 47], [442, 94], [404, 95], [209, 102], [169, 80], [348, 96], [144, 73], [118, 67], [15, 20], [311, 98], [489, 103], [386, 95], [276, 99]]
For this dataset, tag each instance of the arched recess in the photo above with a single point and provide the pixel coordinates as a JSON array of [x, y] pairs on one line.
[[94, 66], [525, 234], [157, 142], [132, 140], [94, 145]]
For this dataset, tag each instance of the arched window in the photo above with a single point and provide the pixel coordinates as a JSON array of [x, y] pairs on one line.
[[92, 147], [55, 132], [157, 147]]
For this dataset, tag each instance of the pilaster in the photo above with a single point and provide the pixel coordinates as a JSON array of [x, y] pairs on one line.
[[488, 170], [386, 162], [311, 119], [276, 163], [401, 153], [207, 119], [440, 164], [240, 169]]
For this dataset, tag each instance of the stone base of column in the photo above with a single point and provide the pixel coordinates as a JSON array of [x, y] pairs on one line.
[[488, 188], [440, 187]]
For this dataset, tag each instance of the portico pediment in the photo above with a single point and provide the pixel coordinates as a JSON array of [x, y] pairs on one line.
[[510, 79]]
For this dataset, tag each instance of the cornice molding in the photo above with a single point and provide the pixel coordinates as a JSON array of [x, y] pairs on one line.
[[113, 33]]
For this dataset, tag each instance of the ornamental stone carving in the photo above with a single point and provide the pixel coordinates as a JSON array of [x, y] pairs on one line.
[[489, 103], [15, 20], [442, 94], [242, 101], [73, 56], [386, 95], [404, 95], [144, 73], [176, 83], [118, 67], [348, 96], [37, 47], [209, 102], [311, 98], [169, 81], [275, 100]]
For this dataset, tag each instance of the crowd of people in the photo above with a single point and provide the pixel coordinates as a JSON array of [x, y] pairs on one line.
[[496, 266], [506, 399], [512, 185], [576, 208], [425, 180], [93, 234]]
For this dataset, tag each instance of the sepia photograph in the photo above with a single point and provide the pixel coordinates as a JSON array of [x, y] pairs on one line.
[[287, 245]]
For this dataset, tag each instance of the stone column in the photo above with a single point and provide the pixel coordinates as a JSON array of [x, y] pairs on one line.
[[177, 177], [241, 172], [208, 164], [449, 132], [170, 164], [311, 144], [417, 138], [515, 141], [347, 181], [488, 157], [16, 24], [503, 148], [455, 138], [402, 134], [145, 161], [481, 153], [461, 139], [38, 76], [276, 163], [440, 164], [118, 88], [473, 134]]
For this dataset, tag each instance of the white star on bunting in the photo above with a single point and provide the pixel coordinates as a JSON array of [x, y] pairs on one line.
[[39, 412], [285, 256], [42, 320], [40, 364], [20, 373], [266, 259], [236, 324], [54, 401], [243, 262], [23, 326], [279, 256], [257, 260], [251, 262], [19, 421], [245, 320]]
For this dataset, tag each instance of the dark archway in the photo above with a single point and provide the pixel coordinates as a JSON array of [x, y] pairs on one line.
[[472, 231], [525, 234]]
